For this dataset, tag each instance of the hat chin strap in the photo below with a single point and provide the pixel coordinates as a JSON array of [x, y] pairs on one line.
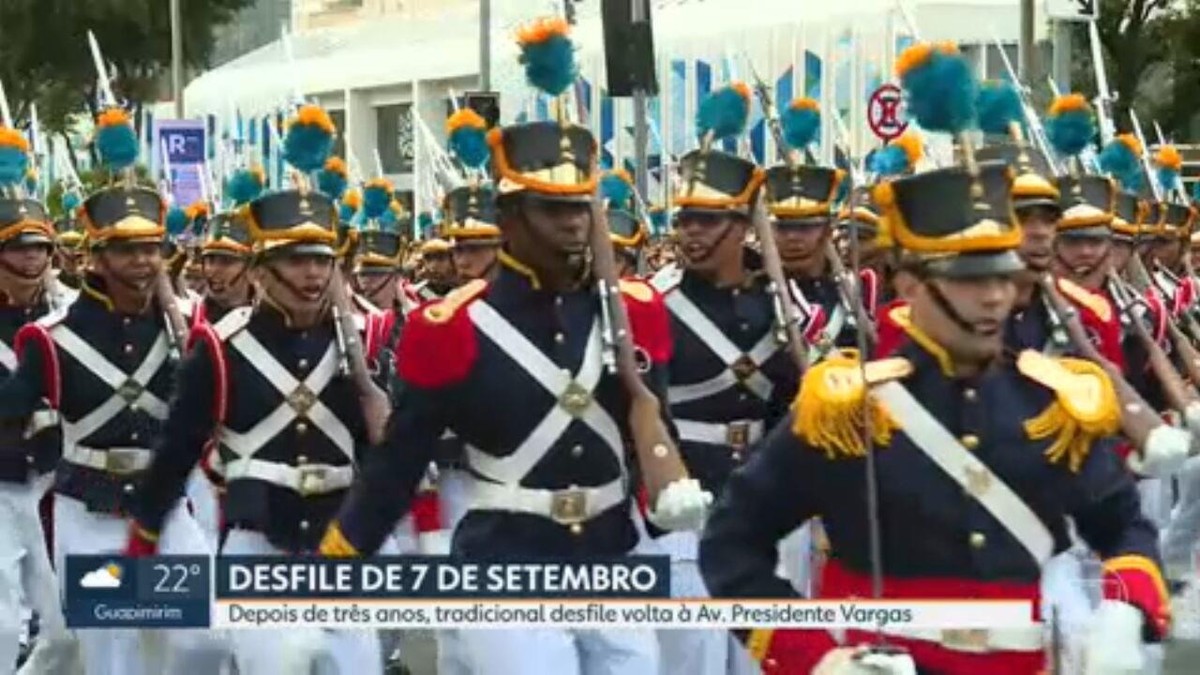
[[291, 287], [944, 305], [21, 275], [708, 252]]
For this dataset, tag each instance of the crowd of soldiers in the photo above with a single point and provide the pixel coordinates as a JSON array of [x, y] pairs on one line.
[[966, 381]]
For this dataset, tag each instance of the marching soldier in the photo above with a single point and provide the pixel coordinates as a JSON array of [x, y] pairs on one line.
[[105, 365], [437, 270], [549, 478], [283, 482], [625, 226], [954, 356], [69, 250], [730, 381], [29, 452], [471, 229], [226, 252]]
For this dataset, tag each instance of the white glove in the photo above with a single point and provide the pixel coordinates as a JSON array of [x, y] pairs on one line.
[[861, 661], [681, 505], [1114, 642], [1165, 452], [1191, 418]]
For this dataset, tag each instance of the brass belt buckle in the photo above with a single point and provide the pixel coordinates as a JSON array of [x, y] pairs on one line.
[[122, 461], [312, 479], [568, 507], [737, 435], [966, 639]]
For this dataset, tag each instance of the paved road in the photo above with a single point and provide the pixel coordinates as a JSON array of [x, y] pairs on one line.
[[1182, 658]]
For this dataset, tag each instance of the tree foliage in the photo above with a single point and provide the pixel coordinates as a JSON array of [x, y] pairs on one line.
[[1151, 49], [44, 55]]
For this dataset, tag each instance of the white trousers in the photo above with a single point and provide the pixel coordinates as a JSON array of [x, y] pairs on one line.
[[298, 651], [796, 553], [27, 580], [453, 500], [205, 506], [696, 652], [78, 531], [1180, 536]]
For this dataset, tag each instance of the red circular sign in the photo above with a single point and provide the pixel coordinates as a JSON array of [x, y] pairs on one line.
[[885, 112]]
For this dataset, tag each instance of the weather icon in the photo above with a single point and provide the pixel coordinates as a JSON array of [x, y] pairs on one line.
[[107, 575]]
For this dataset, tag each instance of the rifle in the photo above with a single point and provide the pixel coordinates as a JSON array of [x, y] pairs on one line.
[[658, 458], [1177, 392], [1138, 418], [376, 404]]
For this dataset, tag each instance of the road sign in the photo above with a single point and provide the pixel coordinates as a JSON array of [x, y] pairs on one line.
[[1073, 10], [885, 112], [181, 146]]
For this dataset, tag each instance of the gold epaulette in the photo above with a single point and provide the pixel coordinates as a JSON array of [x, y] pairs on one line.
[[828, 411], [1082, 296], [1085, 405], [637, 289], [445, 309]]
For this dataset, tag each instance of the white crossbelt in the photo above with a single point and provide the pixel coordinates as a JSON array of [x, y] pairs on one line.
[[978, 641], [559, 383], [124, 386], [299, 399], [8, 358], [729, 353], [720, 433], [566, 506], [112, 460], [967, 470], [833, 328], [307, 479]]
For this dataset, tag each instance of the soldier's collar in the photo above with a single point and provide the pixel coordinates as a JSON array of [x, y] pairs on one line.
[[506, 260], [901, 316]]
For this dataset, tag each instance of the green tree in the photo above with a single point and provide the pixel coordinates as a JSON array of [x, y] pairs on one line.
[[44, 54]]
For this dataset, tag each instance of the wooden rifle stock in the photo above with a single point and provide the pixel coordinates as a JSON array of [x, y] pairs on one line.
[[376, 404], [785, 311], [176, 326], [1178, 393], [658, 458], [1138, 419]]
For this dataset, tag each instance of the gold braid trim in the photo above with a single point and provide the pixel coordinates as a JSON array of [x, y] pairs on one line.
[[335, 545], [829, 407], [1085, 406], [759, 643]]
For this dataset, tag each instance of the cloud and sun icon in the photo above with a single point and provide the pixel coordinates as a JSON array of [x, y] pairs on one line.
[[107, 575]]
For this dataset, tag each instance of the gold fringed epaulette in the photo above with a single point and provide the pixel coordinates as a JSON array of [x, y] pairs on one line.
[[1085, 298], [637, 289], [443, 310], [1085, 406], [828, 411]]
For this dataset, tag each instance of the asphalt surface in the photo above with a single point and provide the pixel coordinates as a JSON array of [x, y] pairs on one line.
[[420, 651]]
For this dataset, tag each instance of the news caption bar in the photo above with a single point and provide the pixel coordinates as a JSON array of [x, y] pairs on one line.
[[428, 592]]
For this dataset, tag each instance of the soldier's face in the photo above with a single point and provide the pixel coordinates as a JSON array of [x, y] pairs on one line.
[[982, 303], [565, 226], [1037, 239], [299, 282], [1120, 254], [801, 244], [1167, 252], [439, 268], [708, 240], [25, 261], [1081, 256], [134, 265], [473, 262], [226, 278]]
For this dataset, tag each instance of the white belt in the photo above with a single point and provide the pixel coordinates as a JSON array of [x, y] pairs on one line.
[[566, 507], [41, 420], [112, 460], [307, 479], [979, 641], [736, 434]]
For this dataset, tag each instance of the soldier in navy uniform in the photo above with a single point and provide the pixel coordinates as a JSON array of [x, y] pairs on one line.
[[28, 451], [730, 378], [437, 270], [105, 364], [283, 483], [550, 476], [225, 259], [952, 373], [69, 251], [471, 229]]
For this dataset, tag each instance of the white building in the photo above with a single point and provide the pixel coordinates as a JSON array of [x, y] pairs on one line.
[[371, 62]]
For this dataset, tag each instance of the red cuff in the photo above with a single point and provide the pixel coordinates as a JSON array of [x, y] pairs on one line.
[[789, 652], [142, 543], [1138, 581], [427, 512]]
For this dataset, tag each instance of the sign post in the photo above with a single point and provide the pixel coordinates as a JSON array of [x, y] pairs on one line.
[[885, 112], [179, 156]]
